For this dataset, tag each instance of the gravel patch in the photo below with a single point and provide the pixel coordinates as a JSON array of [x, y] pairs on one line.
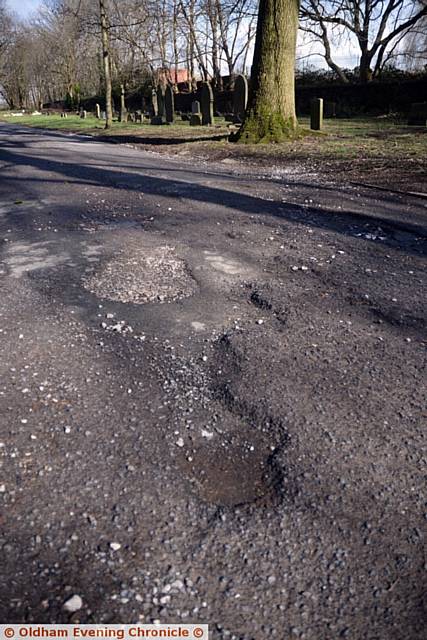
[[143, 275]]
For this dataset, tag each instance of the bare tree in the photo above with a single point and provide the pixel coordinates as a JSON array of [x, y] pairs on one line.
[[107, 67], [375, 25]]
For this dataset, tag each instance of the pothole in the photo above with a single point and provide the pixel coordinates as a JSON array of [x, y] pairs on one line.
[[233, 477], [142, 275]]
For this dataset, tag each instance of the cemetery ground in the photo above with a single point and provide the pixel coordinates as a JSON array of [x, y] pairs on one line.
[[212, 391], [380, 151]]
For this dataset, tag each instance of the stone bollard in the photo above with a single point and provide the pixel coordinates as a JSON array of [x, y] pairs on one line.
[[316, 114]]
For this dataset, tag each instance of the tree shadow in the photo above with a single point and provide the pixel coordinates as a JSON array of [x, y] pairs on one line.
[[344, 222]]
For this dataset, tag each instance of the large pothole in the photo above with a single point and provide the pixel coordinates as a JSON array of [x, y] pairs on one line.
[[142, 275], [233, 477]]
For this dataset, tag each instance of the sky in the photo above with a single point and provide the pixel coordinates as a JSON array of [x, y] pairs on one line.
[[23, 7]]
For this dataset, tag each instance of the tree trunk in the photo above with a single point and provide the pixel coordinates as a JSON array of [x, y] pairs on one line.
[[365, 71], [271, 115], [107, 68]]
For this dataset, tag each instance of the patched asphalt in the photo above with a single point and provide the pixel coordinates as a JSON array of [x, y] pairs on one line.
[[212, 395]]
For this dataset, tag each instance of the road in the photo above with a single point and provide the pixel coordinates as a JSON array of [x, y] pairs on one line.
[[212, 395]]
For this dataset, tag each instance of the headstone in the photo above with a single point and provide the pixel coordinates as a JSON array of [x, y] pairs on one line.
[[103, 115], [160, 117], [154, 105], [160, 101], [169, 104], [83, 114], [316, 114], [139, 117], [207, 101], [418, 114], [240, 98], [196, 120], [330, 110], [98, 111], [196, 116]]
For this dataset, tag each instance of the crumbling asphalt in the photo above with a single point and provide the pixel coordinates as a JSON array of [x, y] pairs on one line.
[[212, 395]]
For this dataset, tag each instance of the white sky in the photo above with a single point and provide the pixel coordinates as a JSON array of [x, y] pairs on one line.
[[345, 56], [24, 7]]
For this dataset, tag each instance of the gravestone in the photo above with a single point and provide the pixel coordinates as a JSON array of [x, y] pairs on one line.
[[240, 98], [418, 114], [316, 114], [98, 111], [161, 101], [207, 102], [169, 104], [160, 117], [83, 114], [154, 105], [139, 117], [196, 116], [103, 115], [330, 110]]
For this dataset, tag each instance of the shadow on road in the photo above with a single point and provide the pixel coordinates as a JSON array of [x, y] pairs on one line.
[[344, 222]]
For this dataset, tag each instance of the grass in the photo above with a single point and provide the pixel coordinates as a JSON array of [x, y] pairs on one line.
[[92, 125], [374, 149]]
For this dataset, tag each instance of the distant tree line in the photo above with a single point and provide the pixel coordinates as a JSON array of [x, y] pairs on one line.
[[61, 54]]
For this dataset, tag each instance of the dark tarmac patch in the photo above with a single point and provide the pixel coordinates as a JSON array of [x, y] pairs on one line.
[[234, 476]]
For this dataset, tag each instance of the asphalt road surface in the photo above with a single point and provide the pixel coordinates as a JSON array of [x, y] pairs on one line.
[[212, 395]]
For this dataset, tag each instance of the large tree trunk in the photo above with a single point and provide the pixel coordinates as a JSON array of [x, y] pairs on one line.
[[271, 116], [107, 67]]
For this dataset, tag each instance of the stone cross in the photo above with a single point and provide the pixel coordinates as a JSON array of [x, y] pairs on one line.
[[316, 114], [207, 102]]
